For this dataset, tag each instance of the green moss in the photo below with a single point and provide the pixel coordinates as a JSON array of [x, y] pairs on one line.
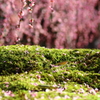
[[20, 58], [26, 68]]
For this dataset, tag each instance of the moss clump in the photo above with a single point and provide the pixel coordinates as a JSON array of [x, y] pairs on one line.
[[82, 65], [34, 71], [20, 58]]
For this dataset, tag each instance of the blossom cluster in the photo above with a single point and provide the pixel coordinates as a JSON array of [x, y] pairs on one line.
[[50, 23]]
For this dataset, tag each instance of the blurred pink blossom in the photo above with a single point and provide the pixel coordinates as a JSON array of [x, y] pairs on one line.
[[8, 93]]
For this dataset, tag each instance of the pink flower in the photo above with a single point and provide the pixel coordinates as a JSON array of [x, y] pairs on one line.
[[30, 26], [38, 76], [81, 90], [7, 85], [57, 97], [33, 95], [92, 91], [60, 90], [8, 93], [67, 97], [76, 98], [54, 65], [35, 84]]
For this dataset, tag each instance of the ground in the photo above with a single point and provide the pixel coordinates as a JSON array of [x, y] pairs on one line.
[[39, 73]]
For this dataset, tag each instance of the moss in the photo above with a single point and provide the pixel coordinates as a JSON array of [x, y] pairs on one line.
[[20, 58], [22, 66]]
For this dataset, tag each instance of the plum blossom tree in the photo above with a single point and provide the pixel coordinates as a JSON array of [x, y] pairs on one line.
[[50, 23]]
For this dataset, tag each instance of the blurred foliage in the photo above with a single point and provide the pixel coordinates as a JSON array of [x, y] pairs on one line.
[[57, 24]]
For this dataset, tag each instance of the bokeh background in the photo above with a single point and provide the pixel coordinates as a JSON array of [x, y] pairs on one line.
[[50, 23]]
